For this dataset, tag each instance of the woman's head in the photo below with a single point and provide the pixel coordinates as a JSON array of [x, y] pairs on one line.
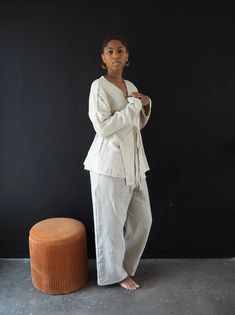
[[114, 53], [114, 37]]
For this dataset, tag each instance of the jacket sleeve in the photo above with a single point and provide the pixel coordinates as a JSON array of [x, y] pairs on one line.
[[104, 121], [144, 116]]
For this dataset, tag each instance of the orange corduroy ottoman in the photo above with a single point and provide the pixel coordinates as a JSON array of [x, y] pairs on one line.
[[58, 255]]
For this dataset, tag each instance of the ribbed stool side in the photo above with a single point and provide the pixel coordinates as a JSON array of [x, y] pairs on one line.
[[59, 267]]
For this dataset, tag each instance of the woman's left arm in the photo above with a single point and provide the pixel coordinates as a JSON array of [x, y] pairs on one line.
[[146, 108], [145, 114]]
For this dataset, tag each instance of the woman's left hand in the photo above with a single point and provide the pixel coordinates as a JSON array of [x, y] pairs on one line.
[[144, 98]]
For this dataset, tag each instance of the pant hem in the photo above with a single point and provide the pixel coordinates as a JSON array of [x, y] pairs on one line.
[[112, 282]]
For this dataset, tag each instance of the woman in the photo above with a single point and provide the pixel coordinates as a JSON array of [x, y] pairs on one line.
[[117, 164]]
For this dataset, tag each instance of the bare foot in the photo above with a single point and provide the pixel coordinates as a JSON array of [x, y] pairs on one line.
[[129, 284]]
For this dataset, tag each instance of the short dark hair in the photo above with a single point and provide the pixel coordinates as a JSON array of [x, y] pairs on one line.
[[113, 37]]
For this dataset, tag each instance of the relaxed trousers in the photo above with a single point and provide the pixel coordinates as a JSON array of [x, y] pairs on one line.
[[122, 222]]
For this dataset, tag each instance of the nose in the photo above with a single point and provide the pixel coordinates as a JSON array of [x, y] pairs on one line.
[[115, 54]]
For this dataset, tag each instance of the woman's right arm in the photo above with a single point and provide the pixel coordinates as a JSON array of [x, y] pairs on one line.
[[104, 121]]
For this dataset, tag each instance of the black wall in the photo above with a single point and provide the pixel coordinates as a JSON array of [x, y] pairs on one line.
[[182, 55]]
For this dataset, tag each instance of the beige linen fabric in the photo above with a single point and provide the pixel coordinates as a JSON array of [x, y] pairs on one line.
[[117, 149], [122, 222]]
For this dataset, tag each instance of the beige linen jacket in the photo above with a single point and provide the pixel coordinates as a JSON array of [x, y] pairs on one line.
[[117, 149]]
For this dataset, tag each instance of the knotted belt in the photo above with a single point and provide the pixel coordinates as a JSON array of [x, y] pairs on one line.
[[130, 151]]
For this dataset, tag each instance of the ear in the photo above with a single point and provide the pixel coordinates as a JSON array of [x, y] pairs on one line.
[[127, 56], [102, 56]]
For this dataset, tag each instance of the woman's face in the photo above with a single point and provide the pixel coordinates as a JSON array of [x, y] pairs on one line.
[[115, 55]]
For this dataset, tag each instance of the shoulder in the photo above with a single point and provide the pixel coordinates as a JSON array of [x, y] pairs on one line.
[[132, 87], [97, 84], [98, 88]]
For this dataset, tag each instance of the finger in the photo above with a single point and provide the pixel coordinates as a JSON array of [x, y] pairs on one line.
[[136, 94]]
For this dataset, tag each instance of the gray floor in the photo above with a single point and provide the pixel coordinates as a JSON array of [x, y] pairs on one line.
[[168, 286]]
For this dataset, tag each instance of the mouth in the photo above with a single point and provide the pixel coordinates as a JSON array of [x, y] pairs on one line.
[[115, 63]]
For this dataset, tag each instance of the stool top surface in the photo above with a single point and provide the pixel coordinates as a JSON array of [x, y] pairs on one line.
[[57, 229]]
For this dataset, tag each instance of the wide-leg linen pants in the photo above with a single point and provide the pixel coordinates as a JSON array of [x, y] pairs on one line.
[[122, 222]]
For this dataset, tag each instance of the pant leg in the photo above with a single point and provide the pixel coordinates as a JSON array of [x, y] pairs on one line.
[[110, 199], [137, 227]]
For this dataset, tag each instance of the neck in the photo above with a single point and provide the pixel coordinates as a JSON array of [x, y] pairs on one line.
[[117, 77]]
